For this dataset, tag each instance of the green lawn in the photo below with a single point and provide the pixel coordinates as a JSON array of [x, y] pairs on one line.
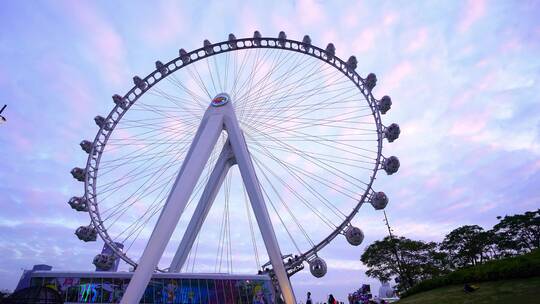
[[496, 292]]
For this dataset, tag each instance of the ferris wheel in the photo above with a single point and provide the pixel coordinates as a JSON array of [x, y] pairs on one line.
[[254, 132]]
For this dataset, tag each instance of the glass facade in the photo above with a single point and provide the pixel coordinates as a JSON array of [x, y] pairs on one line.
[[162, 290]]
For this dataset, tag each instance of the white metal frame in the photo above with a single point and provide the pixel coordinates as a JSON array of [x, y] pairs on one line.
[[218, 117]]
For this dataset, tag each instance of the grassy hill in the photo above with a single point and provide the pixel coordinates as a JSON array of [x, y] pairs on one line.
[[516, 291], [517, 267]]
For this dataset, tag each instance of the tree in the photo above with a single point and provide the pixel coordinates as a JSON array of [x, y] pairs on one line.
[[518, 234], [468, 245], [401, 257]]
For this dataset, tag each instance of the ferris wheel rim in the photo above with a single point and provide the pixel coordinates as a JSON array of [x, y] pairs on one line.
[[183, 60]]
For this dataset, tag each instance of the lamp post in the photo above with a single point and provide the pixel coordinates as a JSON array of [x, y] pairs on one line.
[[399, 265]]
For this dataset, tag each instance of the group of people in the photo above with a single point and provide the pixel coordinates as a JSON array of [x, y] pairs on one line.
[[353, 299], [331, 299]]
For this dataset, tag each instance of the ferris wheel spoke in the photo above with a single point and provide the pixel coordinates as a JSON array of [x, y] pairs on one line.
[[323, 101], [163, 186], [179, 101], [262, 84], [159, 200], [345, 160], [291, 214], [288, 89], [120, 209], [336, 146], [137, 194], [313, 75], [251, 230], [239, 70], [304, 201], [142, 152], [298, 123], [275, 64], [138, 224], [199, 186], [263, 170], [269, 199], [247, 85], [306, 179], [135, 160], [288, 147], [200, 100], [134, 174], [218, 76], [315, 137], [249, 77], [133, 157], [211, 76], [319, 163], [226, 73], [198, 79], [310, 106], [297, 174], [150, 132], [325, 118], [222, 231], [263, 98], [263, 95], [302, 98], [279, 104]]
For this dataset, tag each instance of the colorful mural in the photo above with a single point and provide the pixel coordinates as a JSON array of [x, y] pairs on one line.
[[162, 291]]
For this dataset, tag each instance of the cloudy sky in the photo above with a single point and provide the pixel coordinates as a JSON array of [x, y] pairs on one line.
[[463, 76]]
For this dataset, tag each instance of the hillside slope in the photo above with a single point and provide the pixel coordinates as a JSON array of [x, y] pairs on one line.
[[495, 292]]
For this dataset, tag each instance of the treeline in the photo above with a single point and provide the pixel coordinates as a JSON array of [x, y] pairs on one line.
[[413, 261]]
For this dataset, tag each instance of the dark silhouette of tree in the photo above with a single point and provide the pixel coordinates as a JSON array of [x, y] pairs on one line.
[[413, 261], [419, 260], [468, 245], [518, 234]]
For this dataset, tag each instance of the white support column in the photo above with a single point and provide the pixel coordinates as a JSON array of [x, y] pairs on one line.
[[188, 176], [218, 116], [253, 188], [223, 164]]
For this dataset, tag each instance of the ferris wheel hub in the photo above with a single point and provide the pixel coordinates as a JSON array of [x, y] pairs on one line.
[[220, 99]]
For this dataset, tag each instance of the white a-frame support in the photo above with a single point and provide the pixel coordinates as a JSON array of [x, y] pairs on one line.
[[218, 117]]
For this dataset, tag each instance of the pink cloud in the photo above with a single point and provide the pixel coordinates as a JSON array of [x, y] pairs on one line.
[[168, 24], [472, 12], [106, 45], [285, 23], [351, 19], [433, 182], [462, 98], [418, 41], [470, 124], [365, 41], [511, 45], [250, 22], [310, 13], [396, 75], [468, 94], [22, 143], [455, 206], [390, 18]]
